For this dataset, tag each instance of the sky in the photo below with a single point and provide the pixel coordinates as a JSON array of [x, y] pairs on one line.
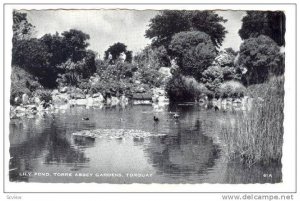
[[107, 27]]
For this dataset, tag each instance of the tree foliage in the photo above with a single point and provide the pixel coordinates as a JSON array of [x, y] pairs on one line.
[[22, 82], [152, 57], [71, 72], [232, 89], [262, 58], [32, 56], [75, 42], [221, 70], [194, 52], [43, 57], [22, 29], [212, 77], [56, 48], [116, 49], [169, 22], [183, 88], [269, 23], [225, 57]]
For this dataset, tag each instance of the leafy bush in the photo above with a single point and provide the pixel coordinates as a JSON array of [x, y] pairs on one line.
[[152, 57], [262, 58], [112, 87], [101, 66], [70, 75], [84, 85], [44, 95], [194, 51], [181, 88], [74, 72], [114, 79], [150, 77], [119, 78], [231, 73], [212, 77], [22, 82], [225, 58], [122, 70], [231, 89]]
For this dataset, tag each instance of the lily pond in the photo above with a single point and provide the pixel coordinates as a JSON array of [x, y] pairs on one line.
[[128, 146]]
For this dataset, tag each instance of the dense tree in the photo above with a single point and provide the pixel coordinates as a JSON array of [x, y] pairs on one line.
[[22, 29], [75, 42], [116, 49], [56, 48], [70, 44], [164, 25], [51, 55], [210, 23], [152, 57], [194, 52], [262, 58], [32, 55], [269, 23], [90, 64]]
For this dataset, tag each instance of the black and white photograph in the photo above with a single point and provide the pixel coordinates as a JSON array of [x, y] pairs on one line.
[[147, 96]]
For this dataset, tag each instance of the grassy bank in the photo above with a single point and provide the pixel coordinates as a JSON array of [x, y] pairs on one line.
[[257, 137]]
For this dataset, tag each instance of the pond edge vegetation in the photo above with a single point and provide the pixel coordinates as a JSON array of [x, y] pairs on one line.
[[183, 63]]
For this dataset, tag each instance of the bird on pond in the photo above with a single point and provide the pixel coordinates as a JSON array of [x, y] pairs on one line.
[[85, 118], [176, 116], [155, 119]]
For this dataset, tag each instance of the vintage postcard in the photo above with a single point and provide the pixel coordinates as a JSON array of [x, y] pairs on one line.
[[149, 98]]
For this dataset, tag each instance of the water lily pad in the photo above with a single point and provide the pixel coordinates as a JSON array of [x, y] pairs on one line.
[[116, 133]]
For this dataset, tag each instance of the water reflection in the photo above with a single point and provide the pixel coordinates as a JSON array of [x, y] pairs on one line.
[[185, 157], [189, 152]]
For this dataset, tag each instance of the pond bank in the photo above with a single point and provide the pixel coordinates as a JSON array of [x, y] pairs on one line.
[[63, 101], [65, 97]]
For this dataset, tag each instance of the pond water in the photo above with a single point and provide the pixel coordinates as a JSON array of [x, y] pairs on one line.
[[187, 150]]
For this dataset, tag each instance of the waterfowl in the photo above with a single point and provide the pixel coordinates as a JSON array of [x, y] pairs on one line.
[[176, 116], [216, 108], [155, 119], [85, 118]]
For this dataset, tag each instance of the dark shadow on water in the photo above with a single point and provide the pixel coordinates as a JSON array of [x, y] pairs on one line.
[[53, 145], [188, 152], [61, 151]]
